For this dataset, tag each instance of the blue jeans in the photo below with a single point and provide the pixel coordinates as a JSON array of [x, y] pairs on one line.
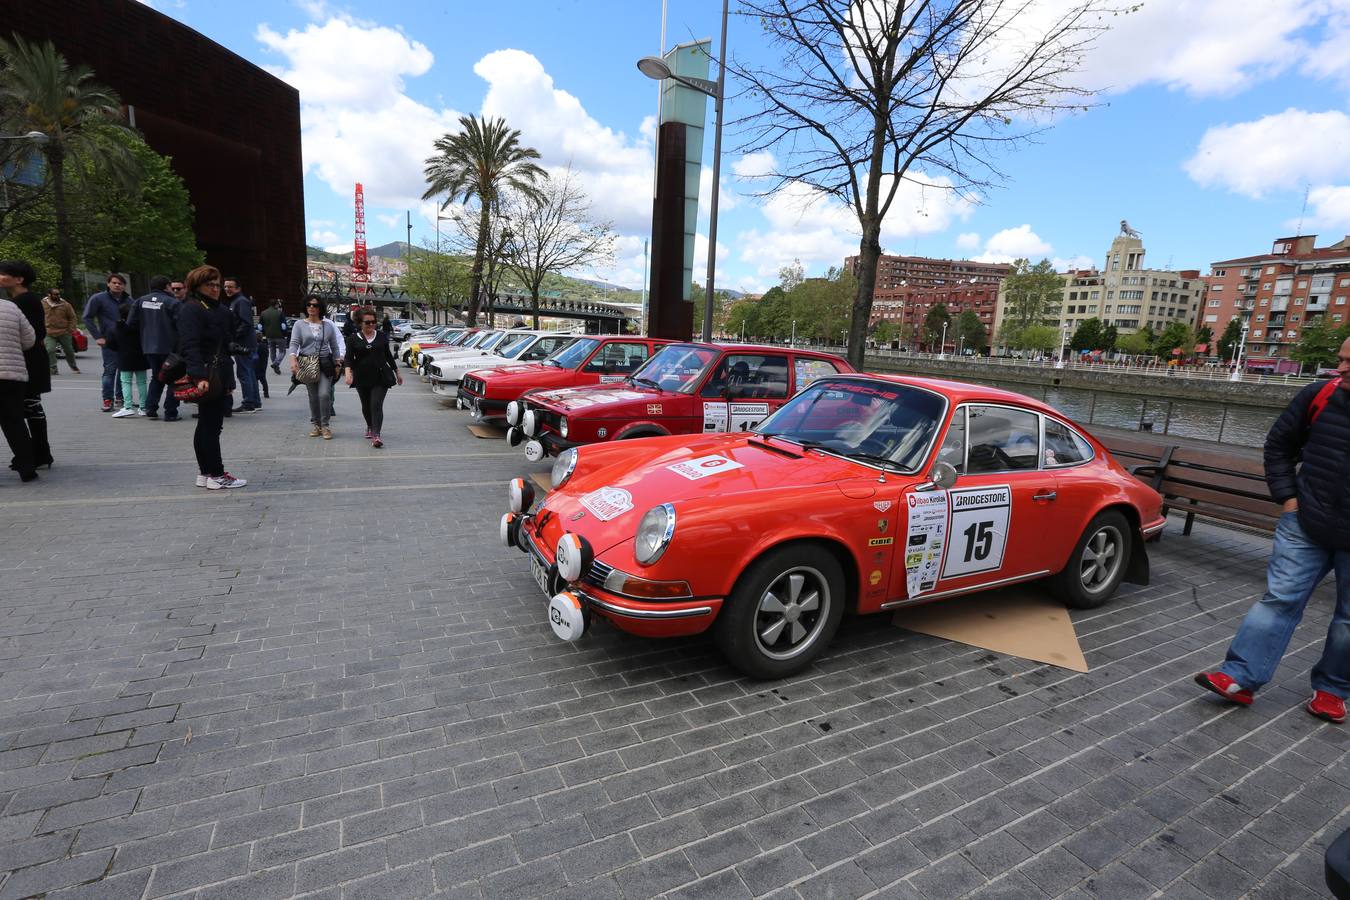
[[111, 386], [248, 382], [158, 387], [1297, 565]]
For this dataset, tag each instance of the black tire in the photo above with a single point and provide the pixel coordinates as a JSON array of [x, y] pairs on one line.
[[1087, 582], [767, 642]]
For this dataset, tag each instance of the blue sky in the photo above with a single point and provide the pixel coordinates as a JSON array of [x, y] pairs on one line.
[[1215, 118]]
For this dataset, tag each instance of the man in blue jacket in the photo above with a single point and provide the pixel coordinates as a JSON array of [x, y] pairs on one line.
[[1312, 538], [246, 338], [155, 316], [101, 313]]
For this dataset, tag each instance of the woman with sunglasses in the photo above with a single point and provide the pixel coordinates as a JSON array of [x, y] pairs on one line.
[[205, 329], [316, 336], [372, 370]]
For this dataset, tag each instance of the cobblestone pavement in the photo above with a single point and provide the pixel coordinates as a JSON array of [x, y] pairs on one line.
[[337, 683]]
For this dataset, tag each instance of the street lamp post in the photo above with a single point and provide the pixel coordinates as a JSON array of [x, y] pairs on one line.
[[656, 68], [942, 347], [1063, 339], [1242, 346], [794, 333]]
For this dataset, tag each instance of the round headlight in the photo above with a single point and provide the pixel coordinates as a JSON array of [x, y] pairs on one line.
[[563, 468], [513, 413], [520, 494], [573, 557], [529, 422], [562, 428], [654, 533]]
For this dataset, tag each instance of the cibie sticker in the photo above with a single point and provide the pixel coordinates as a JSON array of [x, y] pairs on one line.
[[608, 502], [703, 466]]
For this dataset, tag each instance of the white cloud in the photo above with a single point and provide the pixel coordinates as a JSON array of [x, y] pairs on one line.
[[1276, 152], [615, 170], [1330, 206], [322, 238], [362, 128], [1073, 262], [1015, 243], [968, 240], [390, 220]]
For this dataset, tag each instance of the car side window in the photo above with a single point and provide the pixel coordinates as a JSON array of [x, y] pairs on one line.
[[1064, 446], [953, 449], [808, 370], [618, 357], [749, 376], [543, 347], [1002, 440]]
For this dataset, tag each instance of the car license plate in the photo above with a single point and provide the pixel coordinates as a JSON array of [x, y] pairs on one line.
[[540, 574]]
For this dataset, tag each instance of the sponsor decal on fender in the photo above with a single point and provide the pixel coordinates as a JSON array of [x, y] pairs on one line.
[[875, 578], [881, 542], [653, 409], [881, 505]]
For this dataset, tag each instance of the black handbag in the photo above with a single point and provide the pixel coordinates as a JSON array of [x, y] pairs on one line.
[[173, 368]]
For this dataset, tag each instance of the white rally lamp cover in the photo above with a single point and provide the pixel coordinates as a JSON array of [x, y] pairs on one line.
[[514, 436], [521, 494], [573, 557], [507, 529], [529, 422], [567, 616], [513, 413], [534, 451]]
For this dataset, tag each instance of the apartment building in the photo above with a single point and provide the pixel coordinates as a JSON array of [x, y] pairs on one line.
[[1280, 293], [1127, 295], [907, 307]]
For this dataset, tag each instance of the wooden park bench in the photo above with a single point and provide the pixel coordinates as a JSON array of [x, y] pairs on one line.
[[1213, 483]]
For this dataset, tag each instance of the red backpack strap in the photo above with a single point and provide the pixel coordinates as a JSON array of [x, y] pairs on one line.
[[1323, 397]]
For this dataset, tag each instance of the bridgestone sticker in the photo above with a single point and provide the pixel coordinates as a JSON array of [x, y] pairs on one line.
[[745, 416], [926, 535], [978, 530], [608, 503], [703, 466]]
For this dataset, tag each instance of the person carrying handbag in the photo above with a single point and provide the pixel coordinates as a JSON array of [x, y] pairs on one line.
[[205, 328], [372, 370], [314, 363]]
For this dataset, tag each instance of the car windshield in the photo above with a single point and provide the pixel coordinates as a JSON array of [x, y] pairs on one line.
[[676, 367], [514, 345], [479, 339], [455, 340], [574, 355], [875, 422]]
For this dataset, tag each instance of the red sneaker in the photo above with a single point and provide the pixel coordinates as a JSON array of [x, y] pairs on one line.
[[1225, 687], [1327, 706]]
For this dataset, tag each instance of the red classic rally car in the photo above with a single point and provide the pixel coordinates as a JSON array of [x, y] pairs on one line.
[[863, 492], [684, 389], [589, 360]]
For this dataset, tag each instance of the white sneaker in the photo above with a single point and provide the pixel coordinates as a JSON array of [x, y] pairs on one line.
[[139, 411], [124, 412], [223, 482], [201, 480]]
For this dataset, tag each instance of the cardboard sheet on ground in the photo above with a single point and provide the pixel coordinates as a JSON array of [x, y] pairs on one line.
[[1017, 621], [487, 431], [544, 482]]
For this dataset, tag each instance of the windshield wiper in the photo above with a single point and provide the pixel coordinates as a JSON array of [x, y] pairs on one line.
[[872, 457], [637, 380]]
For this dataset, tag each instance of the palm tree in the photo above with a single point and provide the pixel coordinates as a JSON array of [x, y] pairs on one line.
[[41, 91], [480, 162]]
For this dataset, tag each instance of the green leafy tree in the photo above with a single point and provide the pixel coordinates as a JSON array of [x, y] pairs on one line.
[[1204, 335], [1138, 343], [479, 163], [41, 91], [150, 231], [437, 279], [970, 331], [1319, 344], [1090, 335], [791, 276], [1109, 337], [935, 323], [1175, 336], [1229, 340], [885, 333], [1041, 338], [1031, 294]]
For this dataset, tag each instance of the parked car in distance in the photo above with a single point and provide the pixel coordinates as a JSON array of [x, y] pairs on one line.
[[685, 389], [519, 347], [863, 493], [592, 359]]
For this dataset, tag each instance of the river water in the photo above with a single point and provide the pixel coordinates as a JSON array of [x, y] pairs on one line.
[[1206, 420]]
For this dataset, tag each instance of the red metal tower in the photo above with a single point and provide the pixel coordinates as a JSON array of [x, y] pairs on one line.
[[360, 264]]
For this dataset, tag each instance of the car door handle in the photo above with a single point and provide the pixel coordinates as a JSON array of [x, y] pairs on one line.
[[1045, 495]]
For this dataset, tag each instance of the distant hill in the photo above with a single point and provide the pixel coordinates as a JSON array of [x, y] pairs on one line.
[[318, 254], [392, 250]]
